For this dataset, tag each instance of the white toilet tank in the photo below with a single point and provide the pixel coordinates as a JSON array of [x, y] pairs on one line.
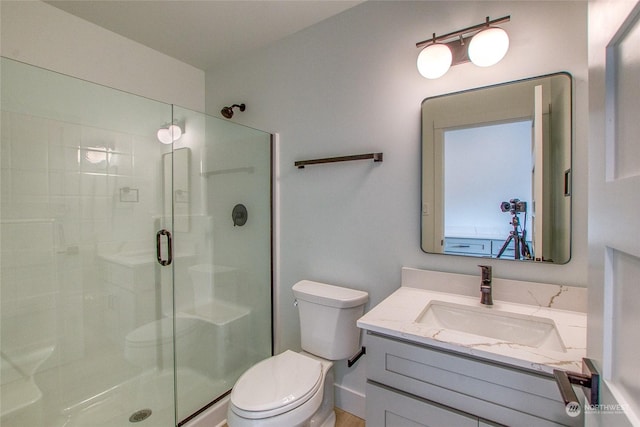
[[328, 316]]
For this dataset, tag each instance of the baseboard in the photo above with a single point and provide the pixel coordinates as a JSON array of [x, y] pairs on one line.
[[350, 400], [215, 416]]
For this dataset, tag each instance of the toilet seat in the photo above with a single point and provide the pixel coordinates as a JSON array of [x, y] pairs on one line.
[[276, 385]]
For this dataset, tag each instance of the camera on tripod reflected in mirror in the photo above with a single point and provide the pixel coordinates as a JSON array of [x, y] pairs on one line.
[[514, 206]]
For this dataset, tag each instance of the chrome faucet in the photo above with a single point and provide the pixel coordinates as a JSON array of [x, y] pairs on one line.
[[485, 286]]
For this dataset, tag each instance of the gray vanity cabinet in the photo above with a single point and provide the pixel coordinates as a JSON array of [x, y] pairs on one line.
[[411, 385]]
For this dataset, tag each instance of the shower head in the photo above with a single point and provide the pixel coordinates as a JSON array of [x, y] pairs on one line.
[[228, 111]]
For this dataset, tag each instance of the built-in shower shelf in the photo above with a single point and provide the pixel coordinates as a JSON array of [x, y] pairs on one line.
[[215, 312], [376, 157]]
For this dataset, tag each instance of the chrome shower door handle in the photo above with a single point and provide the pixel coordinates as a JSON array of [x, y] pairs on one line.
[[159, 235]]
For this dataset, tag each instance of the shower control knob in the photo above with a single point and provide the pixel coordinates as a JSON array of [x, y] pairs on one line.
[[239, 215]]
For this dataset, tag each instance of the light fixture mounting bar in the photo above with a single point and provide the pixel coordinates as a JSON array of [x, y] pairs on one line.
[[464, 31]]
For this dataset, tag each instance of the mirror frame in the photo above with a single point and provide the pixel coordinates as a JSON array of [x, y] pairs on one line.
[[460, 112]]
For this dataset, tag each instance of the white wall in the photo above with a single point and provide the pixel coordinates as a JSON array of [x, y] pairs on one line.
[[40, 34], [349, 85]]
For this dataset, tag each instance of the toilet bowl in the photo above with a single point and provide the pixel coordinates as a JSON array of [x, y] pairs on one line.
[[296, 389], [152, 343]]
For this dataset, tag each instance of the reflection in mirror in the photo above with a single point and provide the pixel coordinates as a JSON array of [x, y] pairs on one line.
[[176, 190], [496, 171], [480, 152]]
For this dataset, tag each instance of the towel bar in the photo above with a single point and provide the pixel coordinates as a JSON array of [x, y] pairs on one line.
[[377, 157]]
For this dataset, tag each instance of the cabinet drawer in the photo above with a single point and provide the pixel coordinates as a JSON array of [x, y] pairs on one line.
[[457, 245], [391, 408], [489, 390]]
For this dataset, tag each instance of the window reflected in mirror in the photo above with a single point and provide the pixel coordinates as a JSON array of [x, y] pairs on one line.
[[485, 166]]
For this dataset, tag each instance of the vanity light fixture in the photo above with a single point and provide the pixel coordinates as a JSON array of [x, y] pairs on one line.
[[169, 133], [483, 44]]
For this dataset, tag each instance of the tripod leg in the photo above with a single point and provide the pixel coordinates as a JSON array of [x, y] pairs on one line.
[[516, 249], [504, 245], [526, 251]]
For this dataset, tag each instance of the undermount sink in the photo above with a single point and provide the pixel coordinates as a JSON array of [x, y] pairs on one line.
[[492, 323]]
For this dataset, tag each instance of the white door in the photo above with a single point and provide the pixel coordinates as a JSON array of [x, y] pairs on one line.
[[614, 209]]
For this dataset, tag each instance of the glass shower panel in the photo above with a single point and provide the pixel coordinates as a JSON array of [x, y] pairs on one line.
[[86, 311], [222, 214]]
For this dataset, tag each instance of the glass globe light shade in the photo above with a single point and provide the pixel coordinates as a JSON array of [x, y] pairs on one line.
[[169, 134], [488, 47], [175, 131], [434, 60], [164, 136]]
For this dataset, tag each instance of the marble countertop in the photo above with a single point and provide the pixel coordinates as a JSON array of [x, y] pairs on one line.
[[398, 316]]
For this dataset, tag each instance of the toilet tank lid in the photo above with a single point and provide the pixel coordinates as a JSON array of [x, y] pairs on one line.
[[329, 295]]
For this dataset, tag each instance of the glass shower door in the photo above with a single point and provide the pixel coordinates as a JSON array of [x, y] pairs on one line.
[[99, 327], [222, 214], [87, 311]]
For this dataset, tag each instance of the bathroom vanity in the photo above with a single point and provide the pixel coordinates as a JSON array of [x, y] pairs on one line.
[[437, 357]]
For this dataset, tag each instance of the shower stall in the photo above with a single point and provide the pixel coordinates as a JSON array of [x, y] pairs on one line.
[[136, 275]]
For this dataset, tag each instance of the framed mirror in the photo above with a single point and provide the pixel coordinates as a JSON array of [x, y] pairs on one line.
[[496, 171]]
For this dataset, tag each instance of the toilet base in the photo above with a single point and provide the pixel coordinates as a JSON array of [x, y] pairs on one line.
[[325, 416]]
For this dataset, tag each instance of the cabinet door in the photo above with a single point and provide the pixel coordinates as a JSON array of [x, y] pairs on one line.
[[388, 407]]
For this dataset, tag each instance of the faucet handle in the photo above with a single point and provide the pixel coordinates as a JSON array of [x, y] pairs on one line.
[[486, 297], [486, 273]]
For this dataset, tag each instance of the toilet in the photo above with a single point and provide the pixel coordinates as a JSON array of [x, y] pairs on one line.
[[151, 345], [296, 389]]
